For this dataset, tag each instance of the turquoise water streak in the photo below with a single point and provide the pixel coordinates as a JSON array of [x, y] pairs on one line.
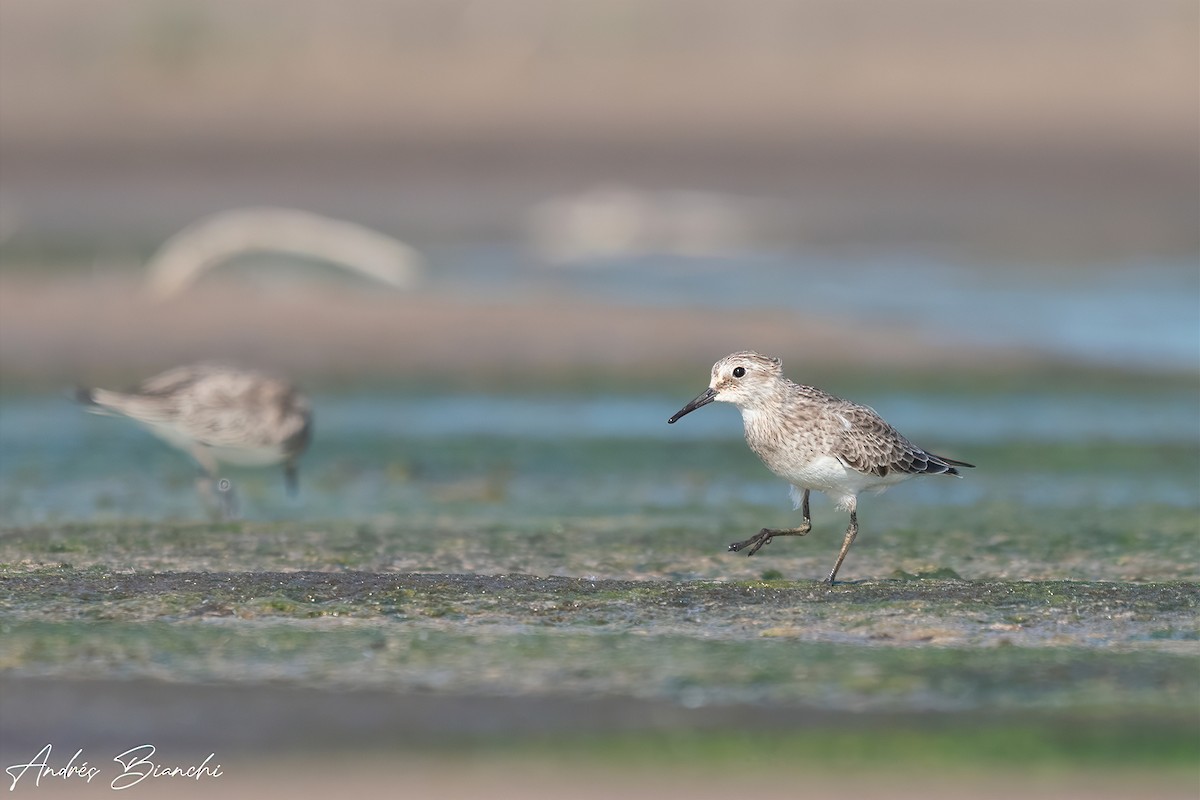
[[548, 455], [543, 455], [1142, 314]]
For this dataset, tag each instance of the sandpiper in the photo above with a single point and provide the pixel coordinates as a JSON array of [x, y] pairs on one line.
[[814, 440], [218, 414]]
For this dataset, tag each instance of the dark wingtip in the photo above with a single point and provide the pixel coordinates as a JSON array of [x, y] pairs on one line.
[[83, 396], [950, 464]]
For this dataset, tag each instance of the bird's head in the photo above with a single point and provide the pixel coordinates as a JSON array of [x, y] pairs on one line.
[[741, 378]]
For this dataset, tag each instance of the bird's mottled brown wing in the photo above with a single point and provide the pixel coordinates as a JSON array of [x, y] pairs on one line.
[[872, 446], [174, 381], [243, 409]]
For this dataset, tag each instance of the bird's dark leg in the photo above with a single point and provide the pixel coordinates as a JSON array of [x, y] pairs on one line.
[[851, 532], [228, 499], [205, 487], [212, 488], [217, 494], [756, 541], [291, 479]]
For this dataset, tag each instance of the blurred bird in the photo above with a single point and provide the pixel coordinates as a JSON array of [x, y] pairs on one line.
[[814, 440], [237, 232], [218, 414]]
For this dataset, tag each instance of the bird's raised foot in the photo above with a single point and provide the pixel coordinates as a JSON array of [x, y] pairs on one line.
[[755, 542]]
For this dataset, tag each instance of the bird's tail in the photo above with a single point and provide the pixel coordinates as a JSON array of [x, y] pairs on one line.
[[950, 464], [106, 402], [93, 400]]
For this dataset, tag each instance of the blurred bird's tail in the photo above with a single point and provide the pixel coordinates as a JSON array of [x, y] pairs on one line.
[[93, 400], [102, 401]]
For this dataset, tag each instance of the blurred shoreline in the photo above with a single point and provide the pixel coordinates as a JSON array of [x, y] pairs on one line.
[[1058, 203], [96, 328], [99, 328]]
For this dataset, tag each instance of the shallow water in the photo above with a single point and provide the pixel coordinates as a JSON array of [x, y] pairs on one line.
[[1142, 314], [1138, 314], [548, 455]]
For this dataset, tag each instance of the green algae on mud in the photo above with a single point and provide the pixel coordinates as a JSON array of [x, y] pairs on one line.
[[371, 592], [1079, 620], [945, 643], [667, 664], [983, 541], [1092, 672]]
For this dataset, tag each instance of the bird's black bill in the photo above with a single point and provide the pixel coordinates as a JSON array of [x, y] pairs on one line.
[[704, 399]]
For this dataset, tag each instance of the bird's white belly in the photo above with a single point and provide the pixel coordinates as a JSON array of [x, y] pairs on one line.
[[822, 473], [828, 474], [240, 456], [248, 456]]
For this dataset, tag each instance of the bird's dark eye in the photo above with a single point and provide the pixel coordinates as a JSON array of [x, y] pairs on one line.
[[739, 372]]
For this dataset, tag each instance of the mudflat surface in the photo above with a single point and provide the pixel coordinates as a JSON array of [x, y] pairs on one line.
[[916, 609], [664, 688]]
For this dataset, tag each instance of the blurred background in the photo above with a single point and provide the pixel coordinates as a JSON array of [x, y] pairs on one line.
[[896, 183], [501, 242]]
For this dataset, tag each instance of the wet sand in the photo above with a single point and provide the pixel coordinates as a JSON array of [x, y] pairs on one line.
[[278, 742], [307, 739]]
